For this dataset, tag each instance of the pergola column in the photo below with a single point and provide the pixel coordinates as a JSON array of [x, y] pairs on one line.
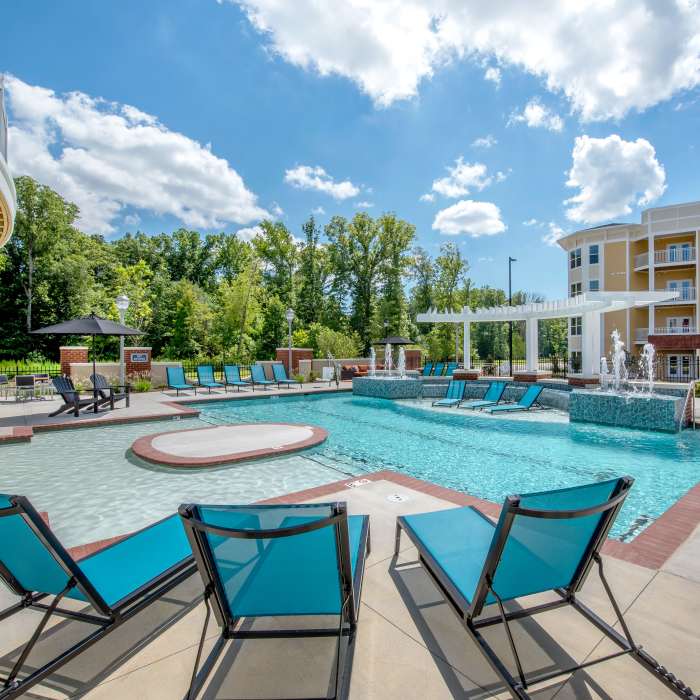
[[466, 346], [531, 344]]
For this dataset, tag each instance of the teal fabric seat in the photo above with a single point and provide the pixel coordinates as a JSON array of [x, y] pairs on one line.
[[118, 581], [451, 367], [439, 369], [279, 372], [271, 561], [205, 376], [257, 376], [177, 381], [493, 395], [544, 542], [455, 393], [427, 369], [525, 403], [232, 377]]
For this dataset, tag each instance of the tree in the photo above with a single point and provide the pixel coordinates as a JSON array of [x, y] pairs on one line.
[[309, 306], [273, 329], [277, 253]]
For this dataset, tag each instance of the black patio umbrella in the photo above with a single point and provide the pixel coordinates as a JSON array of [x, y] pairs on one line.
[[89, 325], [394, 340]]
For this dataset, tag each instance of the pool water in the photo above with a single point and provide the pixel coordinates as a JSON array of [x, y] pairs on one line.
[[486, 457]]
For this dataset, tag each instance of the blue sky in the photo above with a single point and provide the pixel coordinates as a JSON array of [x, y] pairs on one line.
[[238, 106]]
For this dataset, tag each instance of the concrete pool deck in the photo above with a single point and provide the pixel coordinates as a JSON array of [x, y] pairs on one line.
[[409, 644]]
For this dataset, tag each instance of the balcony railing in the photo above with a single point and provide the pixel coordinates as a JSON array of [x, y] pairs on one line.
[[674, 330], [666, 257], [684, 294]]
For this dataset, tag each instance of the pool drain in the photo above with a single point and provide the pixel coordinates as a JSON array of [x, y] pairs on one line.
[[397, 498]]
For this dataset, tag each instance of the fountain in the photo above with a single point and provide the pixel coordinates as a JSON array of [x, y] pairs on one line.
[[626, 403], [392, 383], [372, 362], [388, 360], [401, 363]]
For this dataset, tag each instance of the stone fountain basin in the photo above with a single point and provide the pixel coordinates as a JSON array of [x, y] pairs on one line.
[[658, 412], [379, 387]]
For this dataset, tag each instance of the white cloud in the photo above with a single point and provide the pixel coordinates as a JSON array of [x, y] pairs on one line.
[[485, 259], [132, 220], [487, 141], [607, 58], [554, 233], [462, 177], [427, 197], [105, 156], [531, 222], [364, 205], [473, 218], [318, 211], [493, 75], [277, 210], [308, 177], [248, 234], [612, 175], [538, 116]]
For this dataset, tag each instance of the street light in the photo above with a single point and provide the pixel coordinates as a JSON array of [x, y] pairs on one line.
[[122, 302], [289, 315], [510, 303]]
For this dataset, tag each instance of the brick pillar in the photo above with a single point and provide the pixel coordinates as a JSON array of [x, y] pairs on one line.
[[282, 355], [137, 361], [413, 359], [72, 353]]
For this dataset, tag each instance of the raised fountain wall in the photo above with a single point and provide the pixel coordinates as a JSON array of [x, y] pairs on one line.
[[382, 387], [661, 412]]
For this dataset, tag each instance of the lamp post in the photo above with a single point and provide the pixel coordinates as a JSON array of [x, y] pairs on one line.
[[289, 315], [510, 303], [122, 302]]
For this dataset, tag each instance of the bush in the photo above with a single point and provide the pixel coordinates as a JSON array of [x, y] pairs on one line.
[[140, 384], [338, 344]]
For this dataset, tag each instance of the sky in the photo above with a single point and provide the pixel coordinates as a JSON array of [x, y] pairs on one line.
[[496, 126]]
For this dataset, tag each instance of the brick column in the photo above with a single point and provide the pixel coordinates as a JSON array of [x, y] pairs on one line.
[[72, 353], [137, 361], [282, 355]]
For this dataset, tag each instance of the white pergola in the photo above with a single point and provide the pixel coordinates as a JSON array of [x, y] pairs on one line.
[[589, 306]]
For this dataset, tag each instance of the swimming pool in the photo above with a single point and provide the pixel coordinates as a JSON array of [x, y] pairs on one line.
[[486, 457], [93, 488]]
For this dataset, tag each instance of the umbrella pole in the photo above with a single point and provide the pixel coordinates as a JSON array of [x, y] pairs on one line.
[[94, 372]]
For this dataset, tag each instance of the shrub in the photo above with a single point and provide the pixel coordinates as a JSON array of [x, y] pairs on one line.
[[140, 384], [338, 344]]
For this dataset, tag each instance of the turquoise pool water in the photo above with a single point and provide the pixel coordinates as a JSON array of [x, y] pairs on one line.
[[485, 457]]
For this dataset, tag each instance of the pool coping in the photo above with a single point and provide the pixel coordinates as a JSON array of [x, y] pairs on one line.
[[143, 447]]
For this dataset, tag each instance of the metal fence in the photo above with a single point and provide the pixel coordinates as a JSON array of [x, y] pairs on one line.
[[11, 368], [556, 366], [190, 368]]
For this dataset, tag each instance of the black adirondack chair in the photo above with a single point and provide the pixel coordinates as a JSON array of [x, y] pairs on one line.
[[110, 393], [71, 397]]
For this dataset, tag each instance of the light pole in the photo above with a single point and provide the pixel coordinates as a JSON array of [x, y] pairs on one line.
[[122, 302], [510, 303], [289, 315]]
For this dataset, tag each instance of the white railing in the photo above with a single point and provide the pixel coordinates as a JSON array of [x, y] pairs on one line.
[[674, 330], [676, 255], [641, 335], [641, 260], [684, 294]]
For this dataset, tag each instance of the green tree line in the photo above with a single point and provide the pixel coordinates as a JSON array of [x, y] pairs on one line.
[[215, 295]]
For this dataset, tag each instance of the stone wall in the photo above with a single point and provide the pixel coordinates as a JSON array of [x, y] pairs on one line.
[[379, 388], [72, 353]]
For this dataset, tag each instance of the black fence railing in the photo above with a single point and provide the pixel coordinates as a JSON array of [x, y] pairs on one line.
[[190, 368], [667, 368], [557, 366], [11, 369]]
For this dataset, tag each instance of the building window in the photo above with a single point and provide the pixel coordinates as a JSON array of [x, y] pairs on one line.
[[575, 258], [593, 254], [576, 325], [575, 361], [575, 289], [593, 286]]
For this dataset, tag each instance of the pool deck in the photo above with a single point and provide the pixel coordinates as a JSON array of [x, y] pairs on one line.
[[409, 644]]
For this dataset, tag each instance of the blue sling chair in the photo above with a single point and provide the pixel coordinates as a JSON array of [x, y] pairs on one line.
[[524, 403], [545, 541], [439, 368], [451, 367], [278, 561], [177, 381], [118, 581], [257, 376], [427, 369], [232, 377], [455, 393], [279, 372], [492, 396], [205, 377]]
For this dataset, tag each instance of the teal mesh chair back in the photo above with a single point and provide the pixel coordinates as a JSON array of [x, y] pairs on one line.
[[258, 373], [451, 367], [530, 396], [495, 391], [439, 367], [280, 574], [23, 555], [232, 373], [280, 373], [176, 375], [545, 553], [205, 374], [427, 369], [456, 389]]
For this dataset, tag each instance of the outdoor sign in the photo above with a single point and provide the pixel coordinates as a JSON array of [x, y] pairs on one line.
[[139, 357]]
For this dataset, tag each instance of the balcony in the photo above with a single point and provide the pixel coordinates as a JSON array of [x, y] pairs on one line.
[[685, 295], [674, 330], [666, 258]]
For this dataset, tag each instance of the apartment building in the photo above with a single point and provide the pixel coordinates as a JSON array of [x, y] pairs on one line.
[[658, 254], [8, 196]]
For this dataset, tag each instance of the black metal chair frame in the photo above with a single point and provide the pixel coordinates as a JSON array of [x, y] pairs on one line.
[[107, 619], [468, 612], [71, 399], [110, 393], [231, 628]]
